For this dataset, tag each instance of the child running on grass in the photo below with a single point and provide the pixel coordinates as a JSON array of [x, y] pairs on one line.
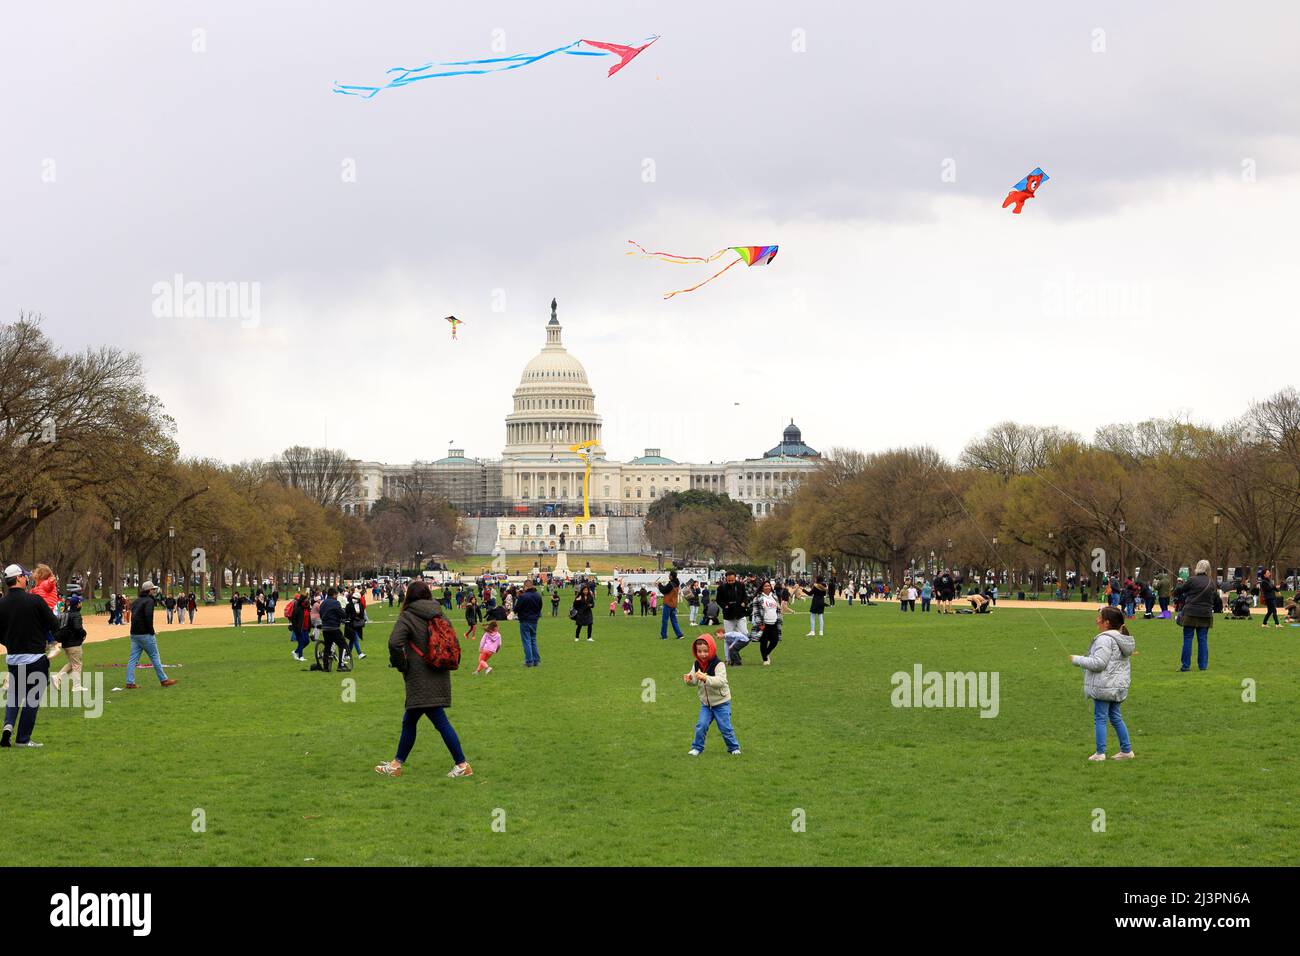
[[709, 675], [1106, 676], [488, 645]]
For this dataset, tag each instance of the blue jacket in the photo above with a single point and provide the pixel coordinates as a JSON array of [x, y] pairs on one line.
[[528, 607], [331, 614]]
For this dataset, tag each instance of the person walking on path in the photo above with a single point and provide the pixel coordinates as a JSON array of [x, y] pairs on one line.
[[528, 610], [428, 691], [1197, 616], [583, 605], [671, 591], [143, 638], [237, 608], [25, 620]]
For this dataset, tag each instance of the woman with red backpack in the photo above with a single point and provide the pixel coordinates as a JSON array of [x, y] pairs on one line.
[[424, 647], [298, 613]]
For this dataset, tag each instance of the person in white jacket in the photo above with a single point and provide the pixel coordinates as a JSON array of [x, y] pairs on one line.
[[1106, 678]]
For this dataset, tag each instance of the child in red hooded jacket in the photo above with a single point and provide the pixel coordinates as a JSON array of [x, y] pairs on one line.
[[709, 675]]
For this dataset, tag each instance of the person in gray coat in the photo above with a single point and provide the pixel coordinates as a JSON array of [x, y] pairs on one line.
[[1197, 615], [428, 691], [1106, 678]]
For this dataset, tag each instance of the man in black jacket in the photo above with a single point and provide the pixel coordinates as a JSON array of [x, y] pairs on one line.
[[331, 629], [734, 602], [25, 620], [528, 608], [143, 638]]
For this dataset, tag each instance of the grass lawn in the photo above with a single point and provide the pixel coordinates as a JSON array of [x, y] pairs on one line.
[[586, 772]]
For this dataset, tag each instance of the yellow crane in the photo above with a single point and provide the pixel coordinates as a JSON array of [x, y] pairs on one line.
[[583, 449]]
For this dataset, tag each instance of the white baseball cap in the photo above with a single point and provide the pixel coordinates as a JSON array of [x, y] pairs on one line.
[[14, 571]]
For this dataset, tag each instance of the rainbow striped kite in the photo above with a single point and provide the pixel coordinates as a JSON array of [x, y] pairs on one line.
[[749, 255], [454, 323]]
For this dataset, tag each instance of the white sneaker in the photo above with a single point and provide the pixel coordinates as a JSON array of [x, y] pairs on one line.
[[360, 656], [767, 663], [810, 634], [1097, 757], [692, 752], [591, 640], [487, 670], [735, 753], [1124, 756]]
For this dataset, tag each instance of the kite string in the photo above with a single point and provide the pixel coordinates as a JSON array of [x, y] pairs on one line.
[[1082, 507], [993, 548]]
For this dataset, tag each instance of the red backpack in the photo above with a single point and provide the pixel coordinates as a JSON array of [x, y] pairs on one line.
[[442, 646]]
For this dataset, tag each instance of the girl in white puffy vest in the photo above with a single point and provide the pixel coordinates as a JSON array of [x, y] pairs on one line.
[[1106, 678]]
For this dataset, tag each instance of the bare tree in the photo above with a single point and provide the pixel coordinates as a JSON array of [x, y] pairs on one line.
[[325, 475]]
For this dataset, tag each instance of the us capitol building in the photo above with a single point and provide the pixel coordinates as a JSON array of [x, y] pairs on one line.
[[523, 501]]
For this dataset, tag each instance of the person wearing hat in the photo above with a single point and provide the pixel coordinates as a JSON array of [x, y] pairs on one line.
[[70, 637], [25, 620], [143, 638]]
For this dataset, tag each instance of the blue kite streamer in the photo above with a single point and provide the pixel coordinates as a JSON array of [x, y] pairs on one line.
[[499, 64]]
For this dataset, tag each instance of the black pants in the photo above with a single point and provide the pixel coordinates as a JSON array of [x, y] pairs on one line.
[[332, 636], [27, 686], [1271, 604], [578, 631], [768, 640]]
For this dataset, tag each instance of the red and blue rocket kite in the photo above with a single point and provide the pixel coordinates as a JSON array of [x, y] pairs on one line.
[[1027, 188]]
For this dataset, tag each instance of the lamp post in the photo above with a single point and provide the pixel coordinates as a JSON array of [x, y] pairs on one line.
[[945, 552], [936, 570], [35, 513], [1122, 528], [117, 553], [1215, 569], [1050, 537], [996, 562], [171, 566]]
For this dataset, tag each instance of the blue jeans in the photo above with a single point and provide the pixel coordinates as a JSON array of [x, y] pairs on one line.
[[1104, 711], [303, 638], [670, 614], [27, 687], [528, 635], [1202, 647], [411, 720], [925, 604], [722, 714], [144, 644]]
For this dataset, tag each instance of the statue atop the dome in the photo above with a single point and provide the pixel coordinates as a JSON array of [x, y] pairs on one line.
[[554, 320]]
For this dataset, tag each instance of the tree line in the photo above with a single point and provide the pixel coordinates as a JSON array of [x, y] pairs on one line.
[[1024, 501], [92, 483]]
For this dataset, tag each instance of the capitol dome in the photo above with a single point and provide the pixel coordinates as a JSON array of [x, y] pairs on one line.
[[554, 407]]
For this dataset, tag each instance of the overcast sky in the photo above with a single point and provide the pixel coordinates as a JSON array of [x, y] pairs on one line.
[[1155, 273]]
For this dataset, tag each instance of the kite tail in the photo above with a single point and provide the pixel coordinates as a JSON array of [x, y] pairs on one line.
[[671, 257], [669, 295]]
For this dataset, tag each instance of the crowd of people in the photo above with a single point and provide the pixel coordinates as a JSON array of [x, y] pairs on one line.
[[38, 622]]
